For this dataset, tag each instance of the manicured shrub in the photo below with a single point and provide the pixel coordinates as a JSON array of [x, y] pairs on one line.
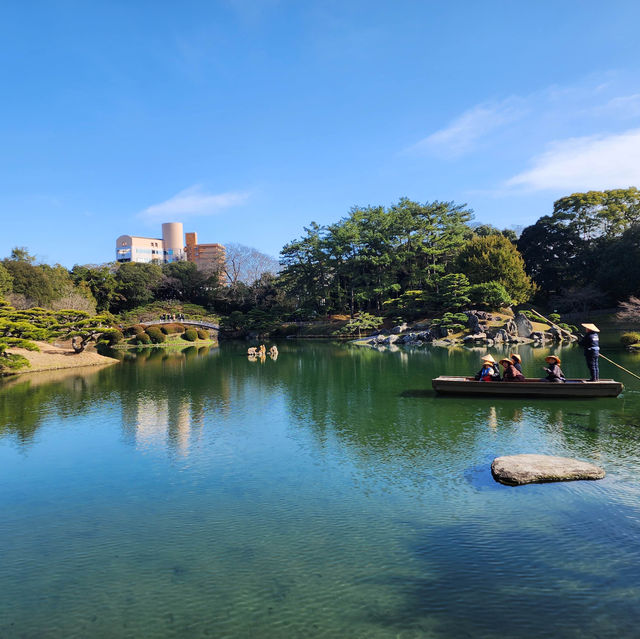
[[171, 329], [454, 321], [112, 336], [143, 338], [489, 296], [202, 334], [567, 327], [135, 329], [191, 335], [630, 338], [156, 335]]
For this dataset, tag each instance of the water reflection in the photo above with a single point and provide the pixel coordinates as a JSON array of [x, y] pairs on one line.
[[330, 492], [376, 404]]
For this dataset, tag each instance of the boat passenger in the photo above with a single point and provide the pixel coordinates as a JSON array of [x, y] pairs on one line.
[[517, 361], [554, 372], [511, 373], [489, 371], [591, 345]]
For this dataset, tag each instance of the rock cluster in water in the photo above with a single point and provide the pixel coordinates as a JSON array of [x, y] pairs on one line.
[[515, 470], [518, 330]]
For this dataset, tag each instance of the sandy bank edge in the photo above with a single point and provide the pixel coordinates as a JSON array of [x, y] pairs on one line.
[[57, 357]]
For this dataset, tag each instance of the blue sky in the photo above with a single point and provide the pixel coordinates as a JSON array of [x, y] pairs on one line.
[[248, 119]]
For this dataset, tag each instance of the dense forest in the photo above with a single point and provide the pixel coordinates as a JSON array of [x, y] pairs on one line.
[[405, 260]]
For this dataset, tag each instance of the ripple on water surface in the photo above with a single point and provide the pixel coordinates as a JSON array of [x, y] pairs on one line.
[[326, 494]]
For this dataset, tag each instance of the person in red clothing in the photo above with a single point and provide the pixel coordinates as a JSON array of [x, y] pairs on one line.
[[511, 373]]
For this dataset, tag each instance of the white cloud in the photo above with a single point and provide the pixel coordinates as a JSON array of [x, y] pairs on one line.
[[464, 131], [626, 106], [192, 202], [585, 163]]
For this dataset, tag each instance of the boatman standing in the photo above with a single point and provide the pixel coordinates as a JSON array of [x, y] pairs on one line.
[[591, 345]]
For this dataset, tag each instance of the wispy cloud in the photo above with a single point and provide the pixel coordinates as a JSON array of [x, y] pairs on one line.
[[463, 133], [625, 106], [192, 202], [521, 121], [591, 162]]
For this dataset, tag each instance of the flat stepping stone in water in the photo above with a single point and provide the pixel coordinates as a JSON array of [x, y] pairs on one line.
[[515, 470]]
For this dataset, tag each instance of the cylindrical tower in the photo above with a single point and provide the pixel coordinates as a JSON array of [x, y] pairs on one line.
[[173, 240]]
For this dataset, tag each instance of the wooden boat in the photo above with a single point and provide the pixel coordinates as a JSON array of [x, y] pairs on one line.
[[449, 385]]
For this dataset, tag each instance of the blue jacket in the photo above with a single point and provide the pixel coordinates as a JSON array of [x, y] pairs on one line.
[[591, 343]]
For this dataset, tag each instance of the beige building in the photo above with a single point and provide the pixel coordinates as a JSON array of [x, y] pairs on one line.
[[131, 248], [204, 255], [170, 248]]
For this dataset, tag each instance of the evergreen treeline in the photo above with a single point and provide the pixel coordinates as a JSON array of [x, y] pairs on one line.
[[406, 260], [587, 253]]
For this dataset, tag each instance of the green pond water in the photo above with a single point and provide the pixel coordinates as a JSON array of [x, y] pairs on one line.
[[329, 493]]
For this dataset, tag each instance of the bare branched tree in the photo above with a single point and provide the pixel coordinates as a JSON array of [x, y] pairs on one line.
[[629, 310], [246, 265]]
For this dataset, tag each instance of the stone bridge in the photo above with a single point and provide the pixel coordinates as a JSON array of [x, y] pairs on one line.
[[187, 322]]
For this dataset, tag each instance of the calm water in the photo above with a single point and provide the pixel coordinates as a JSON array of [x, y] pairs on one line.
[[327, 494]]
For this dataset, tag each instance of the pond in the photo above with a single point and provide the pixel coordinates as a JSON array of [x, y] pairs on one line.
[[329, 493]]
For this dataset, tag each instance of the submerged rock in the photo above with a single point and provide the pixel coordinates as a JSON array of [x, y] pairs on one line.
[[515, 470]]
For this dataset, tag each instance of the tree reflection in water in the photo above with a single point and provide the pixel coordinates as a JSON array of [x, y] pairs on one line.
[[378, 405]]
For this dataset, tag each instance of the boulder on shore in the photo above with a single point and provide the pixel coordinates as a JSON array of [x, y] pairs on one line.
[[523, 324], [473, 323], [515, 470], [396, 330]]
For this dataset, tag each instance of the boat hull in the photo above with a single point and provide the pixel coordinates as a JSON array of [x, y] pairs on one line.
[[448, 385]]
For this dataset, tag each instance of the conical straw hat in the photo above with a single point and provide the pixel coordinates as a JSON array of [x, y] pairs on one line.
[[548, 357], [488, 358], [516, 356], [591, 327]]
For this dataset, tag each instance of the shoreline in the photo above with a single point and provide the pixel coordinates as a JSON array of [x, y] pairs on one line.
[[54, 357]]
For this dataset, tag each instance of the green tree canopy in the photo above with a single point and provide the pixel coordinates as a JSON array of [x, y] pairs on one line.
[[102, 283], [374, 254], [453, 291], [31, 281], [620, 271], [563, 251], [21, 254], [597, 214], [495, 259], [137, 283], [6, 281]]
